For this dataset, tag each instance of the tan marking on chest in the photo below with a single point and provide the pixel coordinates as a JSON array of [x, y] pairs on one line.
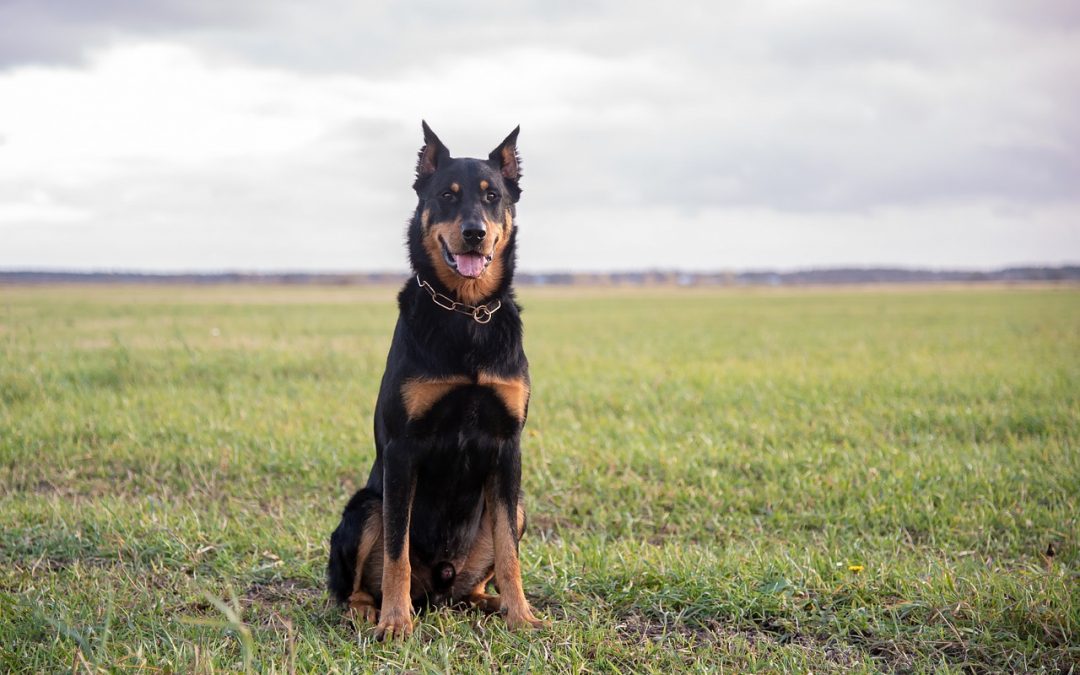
[[512, 391], [419, 395]]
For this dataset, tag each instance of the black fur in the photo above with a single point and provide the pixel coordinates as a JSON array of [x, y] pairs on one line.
[[468, 440], [344, 540]]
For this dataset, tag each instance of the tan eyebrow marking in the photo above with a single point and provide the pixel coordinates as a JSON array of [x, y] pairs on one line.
[[454, 187], [484, 185]]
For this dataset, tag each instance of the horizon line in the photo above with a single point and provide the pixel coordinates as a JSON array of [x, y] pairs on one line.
[[131, 271]]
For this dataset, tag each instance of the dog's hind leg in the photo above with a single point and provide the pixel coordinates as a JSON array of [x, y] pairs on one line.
[[361, 602], [355, 544], [478, 569]]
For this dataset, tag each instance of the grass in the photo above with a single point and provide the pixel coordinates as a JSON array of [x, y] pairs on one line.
[[801, 480]]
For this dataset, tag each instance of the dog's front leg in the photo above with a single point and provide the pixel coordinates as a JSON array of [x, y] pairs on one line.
[[502, 502], [399, 482]]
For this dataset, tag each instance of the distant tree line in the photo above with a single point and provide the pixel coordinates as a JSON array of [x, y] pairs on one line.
[[824, 276]]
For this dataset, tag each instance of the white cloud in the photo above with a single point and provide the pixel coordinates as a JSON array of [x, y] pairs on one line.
[[157, 103], [760, 238], [761, 134], [38, 207]]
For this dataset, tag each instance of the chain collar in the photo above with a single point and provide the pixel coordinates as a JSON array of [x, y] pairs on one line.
[[479, 313]]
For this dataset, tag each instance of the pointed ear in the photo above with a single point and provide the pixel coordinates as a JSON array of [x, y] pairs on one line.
[[432, 154], [506, 157]]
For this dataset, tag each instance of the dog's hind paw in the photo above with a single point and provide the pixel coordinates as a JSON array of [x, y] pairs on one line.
[[362, 608], [485, 602]]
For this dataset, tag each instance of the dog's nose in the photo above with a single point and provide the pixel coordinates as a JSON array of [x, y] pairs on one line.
[[473, 233]]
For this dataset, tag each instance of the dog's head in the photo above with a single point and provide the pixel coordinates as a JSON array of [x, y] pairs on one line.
[[464, 226]]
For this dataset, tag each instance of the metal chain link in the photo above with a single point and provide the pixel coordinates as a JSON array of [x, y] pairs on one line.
[[479, 313]]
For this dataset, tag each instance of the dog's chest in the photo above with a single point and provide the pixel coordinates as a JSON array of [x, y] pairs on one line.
[[487, 403]]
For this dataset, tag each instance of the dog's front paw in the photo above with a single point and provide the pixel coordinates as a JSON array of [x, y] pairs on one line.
[[394, 624], [524, 621]]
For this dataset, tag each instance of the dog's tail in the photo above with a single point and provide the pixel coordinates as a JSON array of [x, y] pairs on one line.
[[442, 576]]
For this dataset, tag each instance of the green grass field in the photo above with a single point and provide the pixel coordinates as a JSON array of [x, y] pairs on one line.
[[805, 480]]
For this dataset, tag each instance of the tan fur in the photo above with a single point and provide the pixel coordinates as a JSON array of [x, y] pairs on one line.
[[513, 392], [474, 571], [509, 161], [469, 291], [484, 185], [395, 616], [419, 395], [428, 157], [508, 571], [497, 227], [478, 569], [374, 569], [362, 603], [454, 187]]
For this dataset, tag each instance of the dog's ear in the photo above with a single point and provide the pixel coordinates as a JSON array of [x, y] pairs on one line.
[[505, 159], [432, 155]]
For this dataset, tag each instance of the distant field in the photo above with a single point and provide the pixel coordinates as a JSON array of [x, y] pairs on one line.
[[811, 480]]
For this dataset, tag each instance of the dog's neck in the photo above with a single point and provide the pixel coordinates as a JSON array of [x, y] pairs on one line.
[[480, 313]]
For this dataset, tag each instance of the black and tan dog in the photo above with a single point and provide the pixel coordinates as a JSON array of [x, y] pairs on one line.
[[440, 515]]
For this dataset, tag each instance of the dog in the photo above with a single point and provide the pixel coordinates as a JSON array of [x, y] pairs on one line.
[[441, 514]]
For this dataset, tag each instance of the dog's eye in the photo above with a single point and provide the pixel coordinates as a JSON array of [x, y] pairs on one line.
[[491, 197], [447, 196]]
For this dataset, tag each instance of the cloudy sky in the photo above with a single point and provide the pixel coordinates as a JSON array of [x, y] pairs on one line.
[[274, 135]]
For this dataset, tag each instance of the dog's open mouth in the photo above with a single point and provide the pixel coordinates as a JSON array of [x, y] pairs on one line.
[[471, 264]]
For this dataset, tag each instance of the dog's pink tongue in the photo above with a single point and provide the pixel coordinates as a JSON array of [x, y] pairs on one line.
[[470, 264]]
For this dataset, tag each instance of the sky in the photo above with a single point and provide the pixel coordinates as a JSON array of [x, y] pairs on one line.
[[277, 135]]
